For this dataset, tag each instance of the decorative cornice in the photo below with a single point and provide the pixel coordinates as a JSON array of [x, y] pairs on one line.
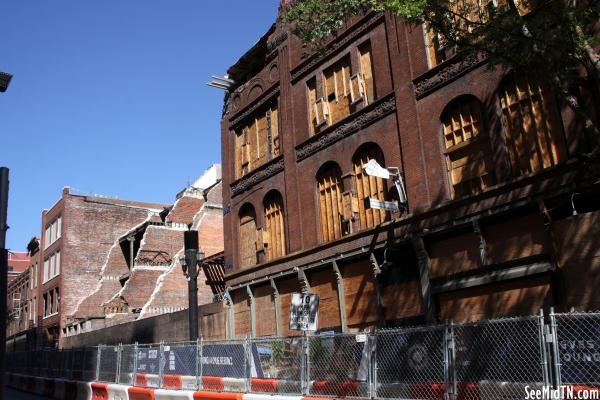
[[265, 171], [340, 42], [446, 73], [274, 44], [248, 111], [347, 127]]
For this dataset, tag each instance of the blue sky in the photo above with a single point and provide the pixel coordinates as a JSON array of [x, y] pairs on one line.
[[109, 97]]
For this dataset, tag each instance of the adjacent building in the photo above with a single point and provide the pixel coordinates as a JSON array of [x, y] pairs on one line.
[[17, 263], [501, 215]]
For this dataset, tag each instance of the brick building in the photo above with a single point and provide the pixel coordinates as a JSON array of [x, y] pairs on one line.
[[17, 263], [141, 275], [500, 218]]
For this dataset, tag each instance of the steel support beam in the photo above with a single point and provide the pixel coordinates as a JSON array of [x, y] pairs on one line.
[[277, 302], [341, 296]]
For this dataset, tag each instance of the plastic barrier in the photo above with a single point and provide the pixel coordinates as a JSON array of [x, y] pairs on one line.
[[99, 391], [217, 396], [579, 391], [140, 380], [468, 391], [427, 391], [489, 390], [136, 393], [189, 382], [172, 382], [164, 394], [263, 385], [340, 389], [117, 392], [234, 384], [212, 383], [84, 391], [254, 396], [147, 380]]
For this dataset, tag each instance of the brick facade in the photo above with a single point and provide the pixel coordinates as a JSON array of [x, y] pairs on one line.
[[509, 249]]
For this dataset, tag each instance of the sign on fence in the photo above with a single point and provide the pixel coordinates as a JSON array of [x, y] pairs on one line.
[[304, 312]]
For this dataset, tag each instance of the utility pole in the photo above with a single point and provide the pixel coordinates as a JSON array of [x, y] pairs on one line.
[[3, 272], [190, 263]]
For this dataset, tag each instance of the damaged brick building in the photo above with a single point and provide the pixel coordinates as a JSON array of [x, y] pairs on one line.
[[142, 275], [502, 215], [103, 261]]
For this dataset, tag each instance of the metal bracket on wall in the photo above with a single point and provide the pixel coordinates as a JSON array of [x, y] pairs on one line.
[[482, 244], [252, 316], [341, 296], [229, 301], [305, 285], [277, 307]]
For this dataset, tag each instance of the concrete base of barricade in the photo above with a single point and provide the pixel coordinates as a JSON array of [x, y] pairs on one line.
[[166, 394], [234, 385], [117, 392], [258, 385], [137, 393], [489, 390], [217, 396]]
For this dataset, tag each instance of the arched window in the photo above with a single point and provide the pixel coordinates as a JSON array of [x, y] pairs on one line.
[[531, 125], [330, 186], [369, 186], [467, 147], [247, 236], [274, 226]]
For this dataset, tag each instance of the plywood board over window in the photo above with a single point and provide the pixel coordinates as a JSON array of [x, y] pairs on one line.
[[369, 186], [337, 90], [247, 237], [330, 188], [257, 141], [467, 147], [531, 126], [366, 71], [274, 226]]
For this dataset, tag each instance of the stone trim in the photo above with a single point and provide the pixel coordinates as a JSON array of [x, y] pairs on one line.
[[445, 73], [265, 171], [347, 126]]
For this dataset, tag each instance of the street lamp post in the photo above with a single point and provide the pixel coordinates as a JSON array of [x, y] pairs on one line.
[[4, 81], [192, 259]]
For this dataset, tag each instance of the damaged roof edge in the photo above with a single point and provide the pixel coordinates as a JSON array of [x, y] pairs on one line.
[[244, 64]]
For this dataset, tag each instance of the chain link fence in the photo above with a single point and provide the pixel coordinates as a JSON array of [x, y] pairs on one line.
[[495, 359]]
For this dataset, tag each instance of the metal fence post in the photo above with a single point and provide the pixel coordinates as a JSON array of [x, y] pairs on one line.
[[556, 355], [543, 349], [305, 369], [161, 358], [199, 363], [119, 356], [449, 370], [248, 352], [135, 364], [98, 362], [372, 340]]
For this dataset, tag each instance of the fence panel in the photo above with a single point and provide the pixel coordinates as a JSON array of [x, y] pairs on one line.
[[276, 365], [179, 365], [147, 361], [498, 358], [338, 365], [225, 366], [127, 364], [410, 363], [90, 360], [578, 346], [107, 370]]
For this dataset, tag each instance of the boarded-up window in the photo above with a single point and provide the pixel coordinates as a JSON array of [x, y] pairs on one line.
[[531, 125], [438, 49], [369, 186], [257, 141], [311, 88], [467, 147], [274, 226], [248, 236], [366, 71], [330, 187], [337, 90]]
